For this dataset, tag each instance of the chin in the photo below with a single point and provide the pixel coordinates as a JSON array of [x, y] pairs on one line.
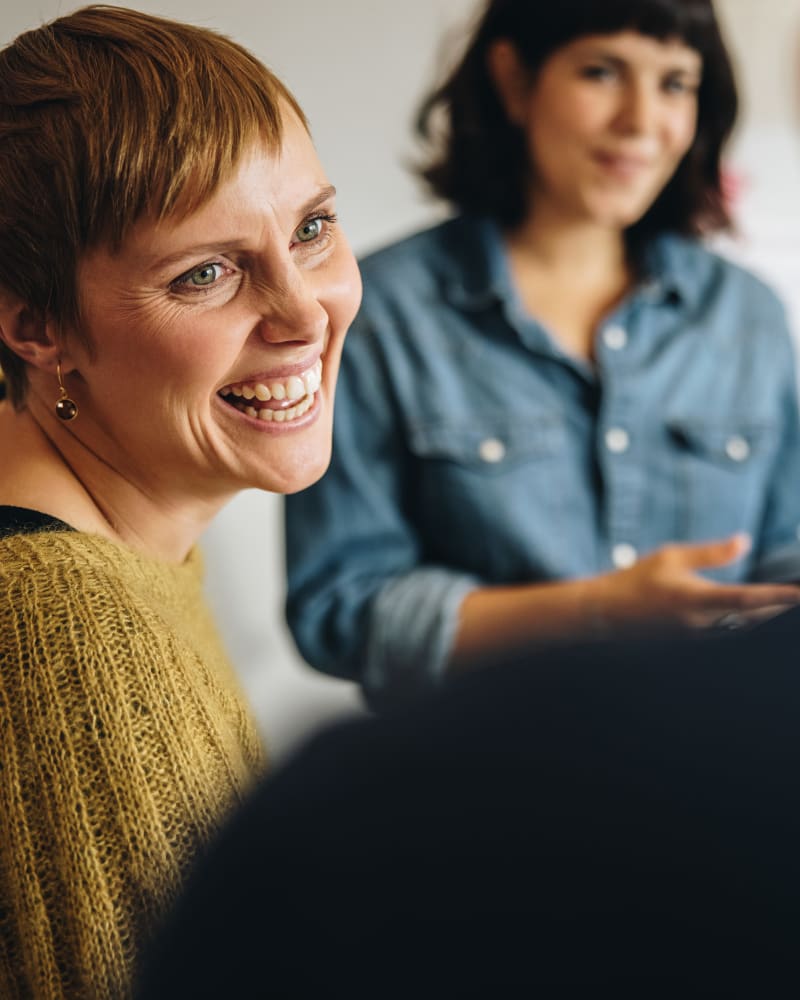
[[620, 212], [298, 474], [616, 217]]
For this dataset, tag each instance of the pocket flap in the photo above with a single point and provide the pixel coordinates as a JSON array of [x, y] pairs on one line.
[[490, 442], [730, 443]]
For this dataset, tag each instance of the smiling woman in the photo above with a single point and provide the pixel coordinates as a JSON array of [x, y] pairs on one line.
[[560, 414], [174, 293]]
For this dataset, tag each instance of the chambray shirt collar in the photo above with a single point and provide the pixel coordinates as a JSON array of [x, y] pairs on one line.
[[480, 273], [669, 273]]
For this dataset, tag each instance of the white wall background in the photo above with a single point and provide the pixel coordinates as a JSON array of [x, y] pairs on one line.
[[764, 36], [358, 67]]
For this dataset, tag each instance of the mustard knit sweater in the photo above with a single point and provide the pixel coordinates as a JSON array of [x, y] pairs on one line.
[[123, 742]]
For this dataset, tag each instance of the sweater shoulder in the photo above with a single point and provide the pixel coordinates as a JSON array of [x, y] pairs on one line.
[[74, 565], [124, 742], [74, 601]]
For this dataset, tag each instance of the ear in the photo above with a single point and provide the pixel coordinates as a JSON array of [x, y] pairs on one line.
[[511, 78], [28, 333]]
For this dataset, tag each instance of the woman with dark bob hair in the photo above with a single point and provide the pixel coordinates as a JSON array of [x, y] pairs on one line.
[[174, 293], [560, 414]]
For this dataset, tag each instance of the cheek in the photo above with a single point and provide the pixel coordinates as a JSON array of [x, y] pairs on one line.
[[571, 113], [559, 132], [341, 295], [683, 130]]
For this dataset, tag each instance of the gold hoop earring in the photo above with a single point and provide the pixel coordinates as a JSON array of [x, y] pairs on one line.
[[66, 408]]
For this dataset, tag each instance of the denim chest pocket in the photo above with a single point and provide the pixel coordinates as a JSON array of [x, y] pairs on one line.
[[723, 473], [484, 489], [489, 447]]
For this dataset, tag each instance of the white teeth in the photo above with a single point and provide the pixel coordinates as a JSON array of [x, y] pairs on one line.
[[299, 389], [282, 416], [312, 380], [295, 388]]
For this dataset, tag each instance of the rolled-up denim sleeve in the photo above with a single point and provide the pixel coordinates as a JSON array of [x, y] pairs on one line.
[[410, 633], [362, 603]]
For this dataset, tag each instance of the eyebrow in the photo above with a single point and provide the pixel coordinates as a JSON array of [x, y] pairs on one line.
[[610, 56], [157, 263], [321, 196]]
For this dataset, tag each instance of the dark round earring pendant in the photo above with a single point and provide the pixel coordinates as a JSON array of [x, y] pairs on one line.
[[66, 409]]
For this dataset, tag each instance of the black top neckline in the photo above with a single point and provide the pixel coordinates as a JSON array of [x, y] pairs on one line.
[[24, 521]]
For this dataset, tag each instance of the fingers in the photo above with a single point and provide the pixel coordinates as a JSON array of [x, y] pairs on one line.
[[742, 597], [748, 597], [702, 555], [757, 616]]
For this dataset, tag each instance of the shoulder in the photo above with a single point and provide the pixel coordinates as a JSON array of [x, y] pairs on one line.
[[51, 578], [76, 555], [58, 598], [422, 261], [414, 287], [91, 615], [715, 281], [36, 557], [424, 247]]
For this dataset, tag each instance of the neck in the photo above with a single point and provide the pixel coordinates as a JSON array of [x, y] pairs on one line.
[[47, 468], [597, 253], [569, 274]]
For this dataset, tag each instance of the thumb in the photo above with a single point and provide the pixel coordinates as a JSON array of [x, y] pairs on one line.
[[716, 553]]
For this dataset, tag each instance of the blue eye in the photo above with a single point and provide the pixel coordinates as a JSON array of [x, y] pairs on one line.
[[205, 275], [598, 72], [680, 85], [309, 231]]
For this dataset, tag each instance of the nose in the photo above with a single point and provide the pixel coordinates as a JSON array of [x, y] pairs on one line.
[[289, 308], [638, 108]]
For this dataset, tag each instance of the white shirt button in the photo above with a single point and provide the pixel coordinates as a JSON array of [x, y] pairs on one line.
[[623, 555], [615, 338], [737, 448], [492, 450], [617, 440], [652, 288]]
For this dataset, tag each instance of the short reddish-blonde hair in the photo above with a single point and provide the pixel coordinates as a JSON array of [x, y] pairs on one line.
[[108, 115]]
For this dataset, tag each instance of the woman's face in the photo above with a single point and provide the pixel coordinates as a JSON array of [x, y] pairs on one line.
[[217, 337], [608, 120]]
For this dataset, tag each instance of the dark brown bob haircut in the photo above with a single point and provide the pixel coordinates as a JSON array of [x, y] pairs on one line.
[[479, 161], [108, 116]]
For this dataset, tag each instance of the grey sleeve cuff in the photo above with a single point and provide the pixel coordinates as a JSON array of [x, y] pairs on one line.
[[412, 626]]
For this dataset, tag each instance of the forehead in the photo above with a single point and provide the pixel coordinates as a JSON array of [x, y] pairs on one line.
[[278, 170], [268, 191], [266, 176]]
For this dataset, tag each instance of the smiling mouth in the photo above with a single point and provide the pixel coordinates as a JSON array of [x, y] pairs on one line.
[[622, 165], [275, 400]]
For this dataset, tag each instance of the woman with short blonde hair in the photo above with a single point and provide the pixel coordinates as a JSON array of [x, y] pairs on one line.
[[174, 292]]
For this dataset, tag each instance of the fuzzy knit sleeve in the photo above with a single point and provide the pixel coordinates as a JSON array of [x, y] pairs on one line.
[[124, 742]]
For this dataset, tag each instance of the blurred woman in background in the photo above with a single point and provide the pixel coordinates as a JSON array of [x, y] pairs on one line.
[[174, 292], [560, 414]]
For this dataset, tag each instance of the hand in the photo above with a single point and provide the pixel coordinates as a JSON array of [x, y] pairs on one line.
[[665, 588]]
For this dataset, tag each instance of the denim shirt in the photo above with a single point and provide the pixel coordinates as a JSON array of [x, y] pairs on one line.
[[470, 449]]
